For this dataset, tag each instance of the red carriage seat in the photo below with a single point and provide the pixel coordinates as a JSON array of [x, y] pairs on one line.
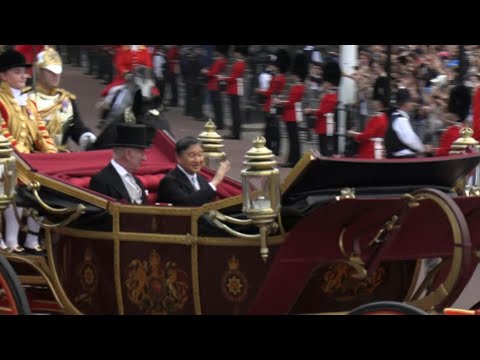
[[77, 168]]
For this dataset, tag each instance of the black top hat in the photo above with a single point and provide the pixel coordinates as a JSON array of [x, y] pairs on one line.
[[131, 135], [459, 101], [11, 59]]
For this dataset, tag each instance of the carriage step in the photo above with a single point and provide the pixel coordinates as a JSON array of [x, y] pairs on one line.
[[32, 280]]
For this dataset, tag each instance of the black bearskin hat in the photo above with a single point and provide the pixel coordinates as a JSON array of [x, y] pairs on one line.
[[11, 59], [300, 66], [242, 49], [332, 73], [282, 60], [459, 101], [403, 96], [222, 49]]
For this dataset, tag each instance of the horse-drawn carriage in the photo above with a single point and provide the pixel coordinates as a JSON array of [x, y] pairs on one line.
[[349, 232]]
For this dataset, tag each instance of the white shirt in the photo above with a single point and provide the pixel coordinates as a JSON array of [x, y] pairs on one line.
[[264, 81], [21, 98], [401, 125], [132, 187], [193, 179]]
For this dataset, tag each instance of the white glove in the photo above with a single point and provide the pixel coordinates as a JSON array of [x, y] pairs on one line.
[[86, 139]]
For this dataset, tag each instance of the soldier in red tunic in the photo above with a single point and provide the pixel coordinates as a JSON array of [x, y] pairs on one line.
[[275, 89], [292, 108], [126, 59], [458, 107], [217, 68], [235, 87], [328, 104], [375, 129]]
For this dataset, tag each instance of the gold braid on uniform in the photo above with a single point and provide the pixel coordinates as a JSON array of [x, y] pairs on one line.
[[27, 132], [55, 125]]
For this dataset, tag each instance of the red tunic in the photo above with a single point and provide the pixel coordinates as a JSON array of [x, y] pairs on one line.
[[295, 96], [125, 60], [173, 60], [217, 68], [327, 105], [376, 128], [276, 87], [447, 139], [237, 72]]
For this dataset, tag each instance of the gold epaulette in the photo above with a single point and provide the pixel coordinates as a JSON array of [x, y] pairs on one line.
[[66, 93]]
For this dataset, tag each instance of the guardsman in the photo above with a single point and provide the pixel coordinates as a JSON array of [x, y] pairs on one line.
[[459, 103], [328, 104], [275, 89], [235, 87], [217, 68], [292, 108], [126, 58], [58, 107]]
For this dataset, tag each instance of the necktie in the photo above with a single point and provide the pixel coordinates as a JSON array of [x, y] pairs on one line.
[[195, 183], [133, 189]]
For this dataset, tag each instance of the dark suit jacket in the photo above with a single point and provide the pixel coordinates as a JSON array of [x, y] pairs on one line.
[[177, 189], [109, 182]]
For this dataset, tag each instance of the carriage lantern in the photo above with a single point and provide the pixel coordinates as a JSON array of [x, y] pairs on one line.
[[261, 188], [212, 145], [8, 173], [462, 145]]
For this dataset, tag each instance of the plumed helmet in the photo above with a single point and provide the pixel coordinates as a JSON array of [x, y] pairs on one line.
[[242, 49], [10, 59], [49, 59], [282, 60], [300, 66], [459, 101], [332, 73], [222, 49]]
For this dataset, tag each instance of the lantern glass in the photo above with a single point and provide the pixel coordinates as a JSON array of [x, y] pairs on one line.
[[261, 193], [213, 162]]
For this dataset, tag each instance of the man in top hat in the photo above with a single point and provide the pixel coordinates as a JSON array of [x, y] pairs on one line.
[[184, 186], [58, 107], [459, 103], [116, 179], [400, 139], [277, 85], [235, 87], [328, 104], [218, 67], [26, 131]]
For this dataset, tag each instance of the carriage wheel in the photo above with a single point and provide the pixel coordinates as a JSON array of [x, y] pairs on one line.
[[13, 300], [445, 291], [387, 308]]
